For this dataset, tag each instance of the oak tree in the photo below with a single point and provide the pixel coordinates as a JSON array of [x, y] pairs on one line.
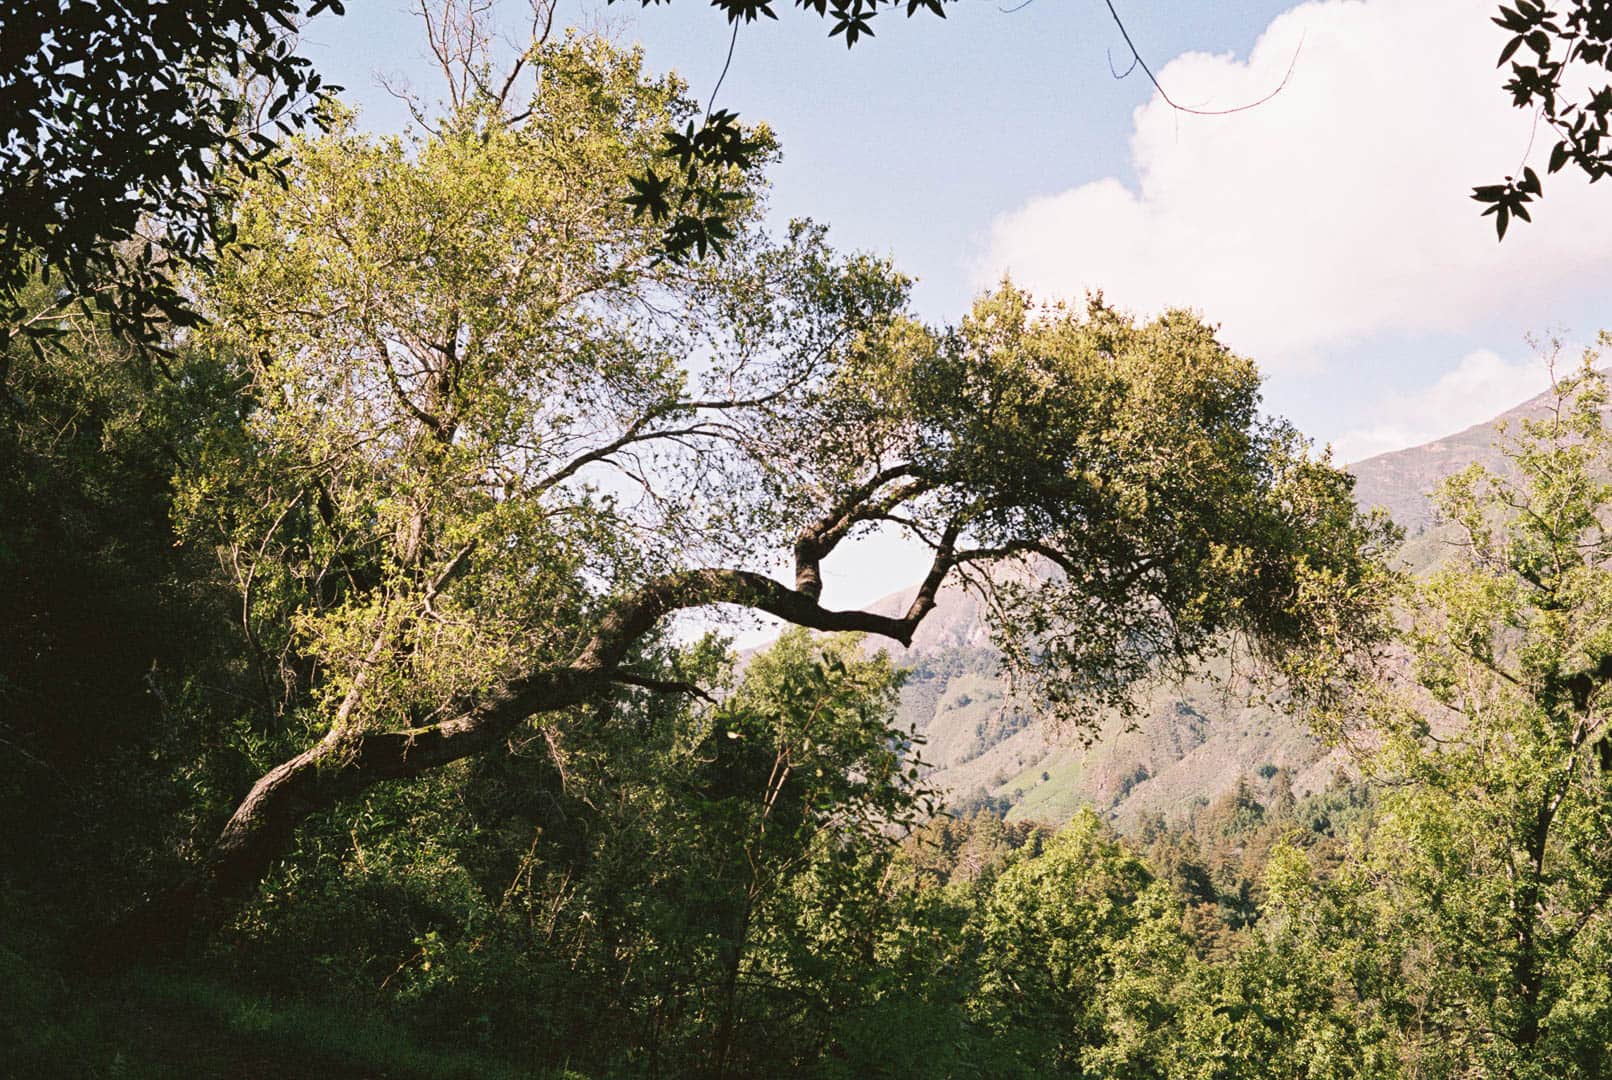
[[488, 443]]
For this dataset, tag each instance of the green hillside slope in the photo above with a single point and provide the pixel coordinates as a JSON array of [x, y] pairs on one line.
[[1188, 744]]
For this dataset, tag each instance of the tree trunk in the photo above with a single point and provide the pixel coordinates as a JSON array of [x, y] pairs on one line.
[[338, 766], [348, 761], [730, 989]]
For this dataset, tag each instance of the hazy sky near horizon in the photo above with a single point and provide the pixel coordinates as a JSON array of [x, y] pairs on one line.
[[1328, 230]]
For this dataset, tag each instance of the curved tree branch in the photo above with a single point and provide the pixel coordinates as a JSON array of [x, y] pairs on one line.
[[349, 759]]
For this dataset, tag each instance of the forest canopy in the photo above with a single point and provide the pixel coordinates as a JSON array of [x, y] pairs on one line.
[[366, 674], [481, 441]]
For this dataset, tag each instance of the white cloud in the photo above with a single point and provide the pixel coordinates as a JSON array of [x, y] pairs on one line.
[[1480, 387], [1336, 211]]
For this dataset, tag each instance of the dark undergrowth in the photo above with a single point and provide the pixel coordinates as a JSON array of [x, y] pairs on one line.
[[175, 1021]]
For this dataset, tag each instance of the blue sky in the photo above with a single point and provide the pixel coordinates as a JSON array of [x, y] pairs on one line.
[[1327, 230], [910, 143]]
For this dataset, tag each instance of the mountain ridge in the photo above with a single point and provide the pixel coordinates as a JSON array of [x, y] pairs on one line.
[[1188, 743]]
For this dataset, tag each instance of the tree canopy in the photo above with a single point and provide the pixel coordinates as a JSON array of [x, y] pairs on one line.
[[484, 442], [118, 125], [374, 651], [370, 648]]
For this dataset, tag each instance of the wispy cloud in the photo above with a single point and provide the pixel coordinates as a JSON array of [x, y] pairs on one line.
[[1481, 386]]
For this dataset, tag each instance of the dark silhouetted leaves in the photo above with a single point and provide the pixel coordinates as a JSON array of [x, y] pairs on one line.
[[116, 118], [1544, 43], [696, 203]]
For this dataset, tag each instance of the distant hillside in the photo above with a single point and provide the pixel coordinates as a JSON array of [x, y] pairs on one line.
[[1403, 481], [1189, 743]]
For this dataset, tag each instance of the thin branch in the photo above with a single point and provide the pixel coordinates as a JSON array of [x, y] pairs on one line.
[[732, 41], [1138, 61], [634, 434], [819, 538], [447, 572], [661, 686], [246, 595]]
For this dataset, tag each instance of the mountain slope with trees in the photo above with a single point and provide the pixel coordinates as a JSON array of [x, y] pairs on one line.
[[1189, 743]]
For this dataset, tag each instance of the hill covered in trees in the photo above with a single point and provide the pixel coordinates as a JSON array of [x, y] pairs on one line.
[[1192, 741]]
